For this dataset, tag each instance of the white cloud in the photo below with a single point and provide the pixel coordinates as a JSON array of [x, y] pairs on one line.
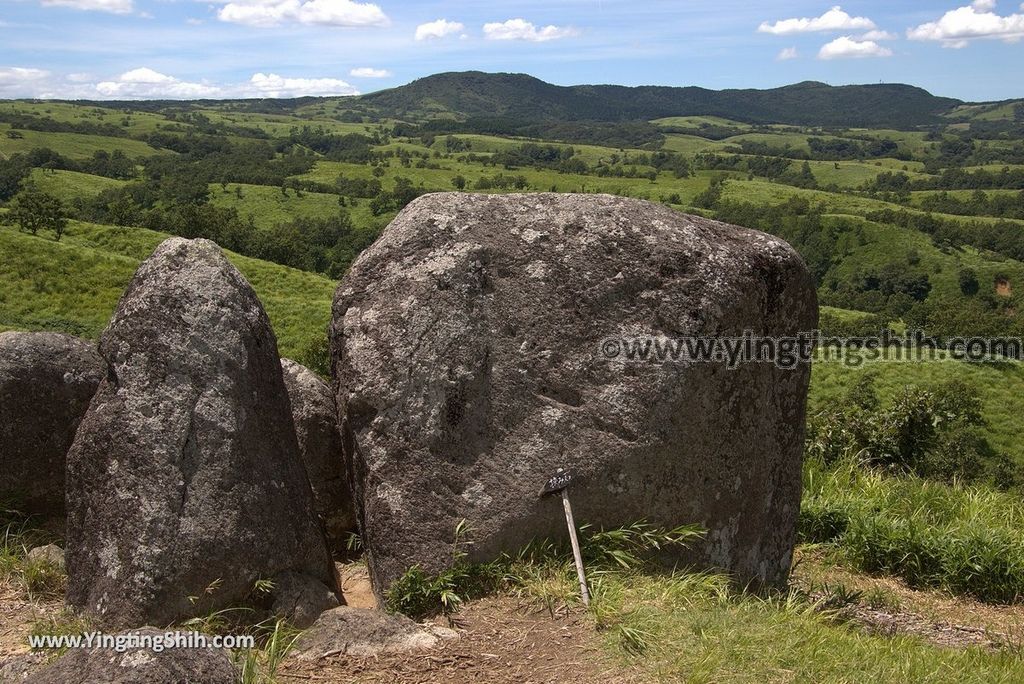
[[438, 29], [115, 6], [266, 13], [787, 54], [17, 80], [879, 35], [847, 47], [519, 29], [833, 20], [145, 83], [369, 72], [956, 28], [272, 85]]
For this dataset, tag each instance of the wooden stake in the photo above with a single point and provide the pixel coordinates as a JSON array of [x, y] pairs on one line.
[[575, 548]]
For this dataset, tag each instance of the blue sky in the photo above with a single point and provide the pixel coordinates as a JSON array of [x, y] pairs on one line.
[[117, 49]]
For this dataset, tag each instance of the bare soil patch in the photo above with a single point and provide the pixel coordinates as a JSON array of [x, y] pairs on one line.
[[502, 639]]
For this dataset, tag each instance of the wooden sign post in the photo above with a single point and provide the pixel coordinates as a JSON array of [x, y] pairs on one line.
[[560, 483]]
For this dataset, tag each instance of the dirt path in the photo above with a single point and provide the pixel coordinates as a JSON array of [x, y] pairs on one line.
[[502, 640]]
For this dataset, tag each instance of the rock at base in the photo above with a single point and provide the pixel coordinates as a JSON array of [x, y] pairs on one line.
[[51, 554], [361, 632], [300, 599]]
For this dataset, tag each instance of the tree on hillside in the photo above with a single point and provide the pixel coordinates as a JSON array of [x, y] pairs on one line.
[[33, 209], [969, 284]]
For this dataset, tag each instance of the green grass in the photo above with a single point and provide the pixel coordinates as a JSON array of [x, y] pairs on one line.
[[918, 195], [695, 627], [847, 174], [843, 314], [269, 207], [966, 540], [696, 121], [766, 192], [73, 145], [131, 121], [281, 125], [539, 180], [74, 285], [70, 185], [692, 628], [35, 578]]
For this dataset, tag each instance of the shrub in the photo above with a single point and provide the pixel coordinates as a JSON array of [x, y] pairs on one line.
[[933, 432]]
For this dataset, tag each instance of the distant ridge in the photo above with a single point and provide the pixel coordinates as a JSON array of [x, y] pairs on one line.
[[472, 94]]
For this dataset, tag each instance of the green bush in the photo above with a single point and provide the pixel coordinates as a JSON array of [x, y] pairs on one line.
[[934, 432]]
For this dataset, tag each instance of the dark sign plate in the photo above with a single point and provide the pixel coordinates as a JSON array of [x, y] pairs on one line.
[[558, 482]]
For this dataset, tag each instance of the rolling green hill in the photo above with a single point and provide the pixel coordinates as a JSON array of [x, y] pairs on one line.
[[74, 285]]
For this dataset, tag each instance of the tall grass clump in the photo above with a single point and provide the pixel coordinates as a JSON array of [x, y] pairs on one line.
[[542, 570], [36, 577], [966, 539]]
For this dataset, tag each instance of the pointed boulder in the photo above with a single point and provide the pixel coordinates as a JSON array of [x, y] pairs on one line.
[[184, 483]]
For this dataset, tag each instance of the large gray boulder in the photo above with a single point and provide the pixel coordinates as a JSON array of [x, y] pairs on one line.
[[46, 382], [316, 426], [469, 367], [138, 664], [184, 482]]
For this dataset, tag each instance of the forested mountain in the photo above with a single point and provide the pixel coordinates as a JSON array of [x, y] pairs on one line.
[[519, 96]]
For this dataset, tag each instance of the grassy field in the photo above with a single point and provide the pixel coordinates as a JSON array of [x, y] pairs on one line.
[[73, 145], [281, 125], [538, 180], [71, 185], [131, 121], [848, 174], [74, 285], [767, 192], [697, 121], [268, 206], [964, 540]]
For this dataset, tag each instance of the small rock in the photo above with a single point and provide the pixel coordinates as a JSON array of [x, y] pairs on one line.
[[51, 554], [138, 665], [361, 632], [301, 599], [17, 669]]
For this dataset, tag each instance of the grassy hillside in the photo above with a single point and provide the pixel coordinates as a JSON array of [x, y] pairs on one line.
[[71, 185], [74, 145], [74, 285]]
